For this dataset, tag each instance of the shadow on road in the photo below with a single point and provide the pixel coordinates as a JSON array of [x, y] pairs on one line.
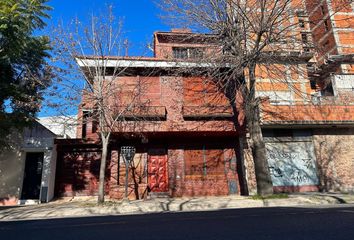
[[252, 223]]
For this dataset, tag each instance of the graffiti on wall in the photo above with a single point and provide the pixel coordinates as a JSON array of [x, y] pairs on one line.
[[292, 163]]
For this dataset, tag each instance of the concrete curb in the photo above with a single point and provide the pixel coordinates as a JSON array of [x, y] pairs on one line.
[[161, 205]]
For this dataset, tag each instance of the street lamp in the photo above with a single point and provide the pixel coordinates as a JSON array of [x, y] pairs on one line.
[[128, 153]]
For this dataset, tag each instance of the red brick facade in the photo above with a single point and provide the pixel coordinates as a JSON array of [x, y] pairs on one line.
[[199, 135]]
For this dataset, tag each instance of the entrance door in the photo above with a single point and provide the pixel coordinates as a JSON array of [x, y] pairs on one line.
[[33, 176], [157, 172]]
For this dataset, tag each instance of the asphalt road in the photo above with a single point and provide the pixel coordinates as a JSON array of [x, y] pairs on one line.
[[257, 223]]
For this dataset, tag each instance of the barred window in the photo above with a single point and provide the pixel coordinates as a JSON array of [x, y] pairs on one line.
[[187, 53]]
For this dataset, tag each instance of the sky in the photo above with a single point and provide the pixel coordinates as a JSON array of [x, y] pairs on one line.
[[140, 20]]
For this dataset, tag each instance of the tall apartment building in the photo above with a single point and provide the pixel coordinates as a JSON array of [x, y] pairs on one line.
[[322, 121], [332, 29]]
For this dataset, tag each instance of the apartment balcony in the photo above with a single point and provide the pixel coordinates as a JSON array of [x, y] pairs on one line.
[[207, 112], [308, 114]]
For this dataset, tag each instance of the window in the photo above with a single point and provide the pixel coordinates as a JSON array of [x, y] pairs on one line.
[[323, 10], [88, 124], [302, 23], [85, 117], [326, 25], [187, 53], [313, 84], [180, 53], [304, 38], [204, 161]]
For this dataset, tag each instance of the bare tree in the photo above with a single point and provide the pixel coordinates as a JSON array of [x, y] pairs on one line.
[[248, 37], [87, 80]]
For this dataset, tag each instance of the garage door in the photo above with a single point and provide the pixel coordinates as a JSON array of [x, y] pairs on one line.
[[292, 163]]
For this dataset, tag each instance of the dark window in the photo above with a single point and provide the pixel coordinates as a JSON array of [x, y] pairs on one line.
[[304, 38], [323, 10], [313, 84], [86, 118], [84, 124], [283, 133], [187, 53], [327, 91], [180, 53], [326, 25], [302, 23]]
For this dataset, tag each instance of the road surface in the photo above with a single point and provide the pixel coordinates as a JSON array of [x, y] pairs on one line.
[[255, 223]]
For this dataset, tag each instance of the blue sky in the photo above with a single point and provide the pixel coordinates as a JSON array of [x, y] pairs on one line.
[[141, 18]]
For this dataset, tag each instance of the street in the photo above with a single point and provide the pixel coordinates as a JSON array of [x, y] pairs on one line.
[[253, 223]]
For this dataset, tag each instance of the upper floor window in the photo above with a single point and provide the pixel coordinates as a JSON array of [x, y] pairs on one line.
[[304, 38], [302, 23], [326, 24], [323, 10], [187, 53]]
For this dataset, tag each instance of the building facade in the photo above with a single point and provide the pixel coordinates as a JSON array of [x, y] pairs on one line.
[[190, 142], [27, 169], [318, 126]]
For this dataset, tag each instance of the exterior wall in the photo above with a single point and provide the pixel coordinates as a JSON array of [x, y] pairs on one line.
[[182, 184], [48, 178], [324, 40], [164, 42], [77, 172], [11, 176], [168, 93], [40, 139], [332, 28], [137, 185], [307, 114], [334, 152], [343, 86], [12, 165], [283, 84], [77, 169], [331, 152], [61, 126]]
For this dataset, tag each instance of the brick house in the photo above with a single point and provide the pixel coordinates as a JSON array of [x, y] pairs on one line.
[[186, 139], [188, 135]]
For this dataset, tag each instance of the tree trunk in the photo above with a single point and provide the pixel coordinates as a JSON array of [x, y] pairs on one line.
[[101, 190], [263, 178]]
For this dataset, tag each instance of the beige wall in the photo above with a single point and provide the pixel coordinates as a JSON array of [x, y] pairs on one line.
[[335, 158], [12, 163]]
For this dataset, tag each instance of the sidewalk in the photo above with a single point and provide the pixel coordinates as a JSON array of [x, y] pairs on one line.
[[84, 207]]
